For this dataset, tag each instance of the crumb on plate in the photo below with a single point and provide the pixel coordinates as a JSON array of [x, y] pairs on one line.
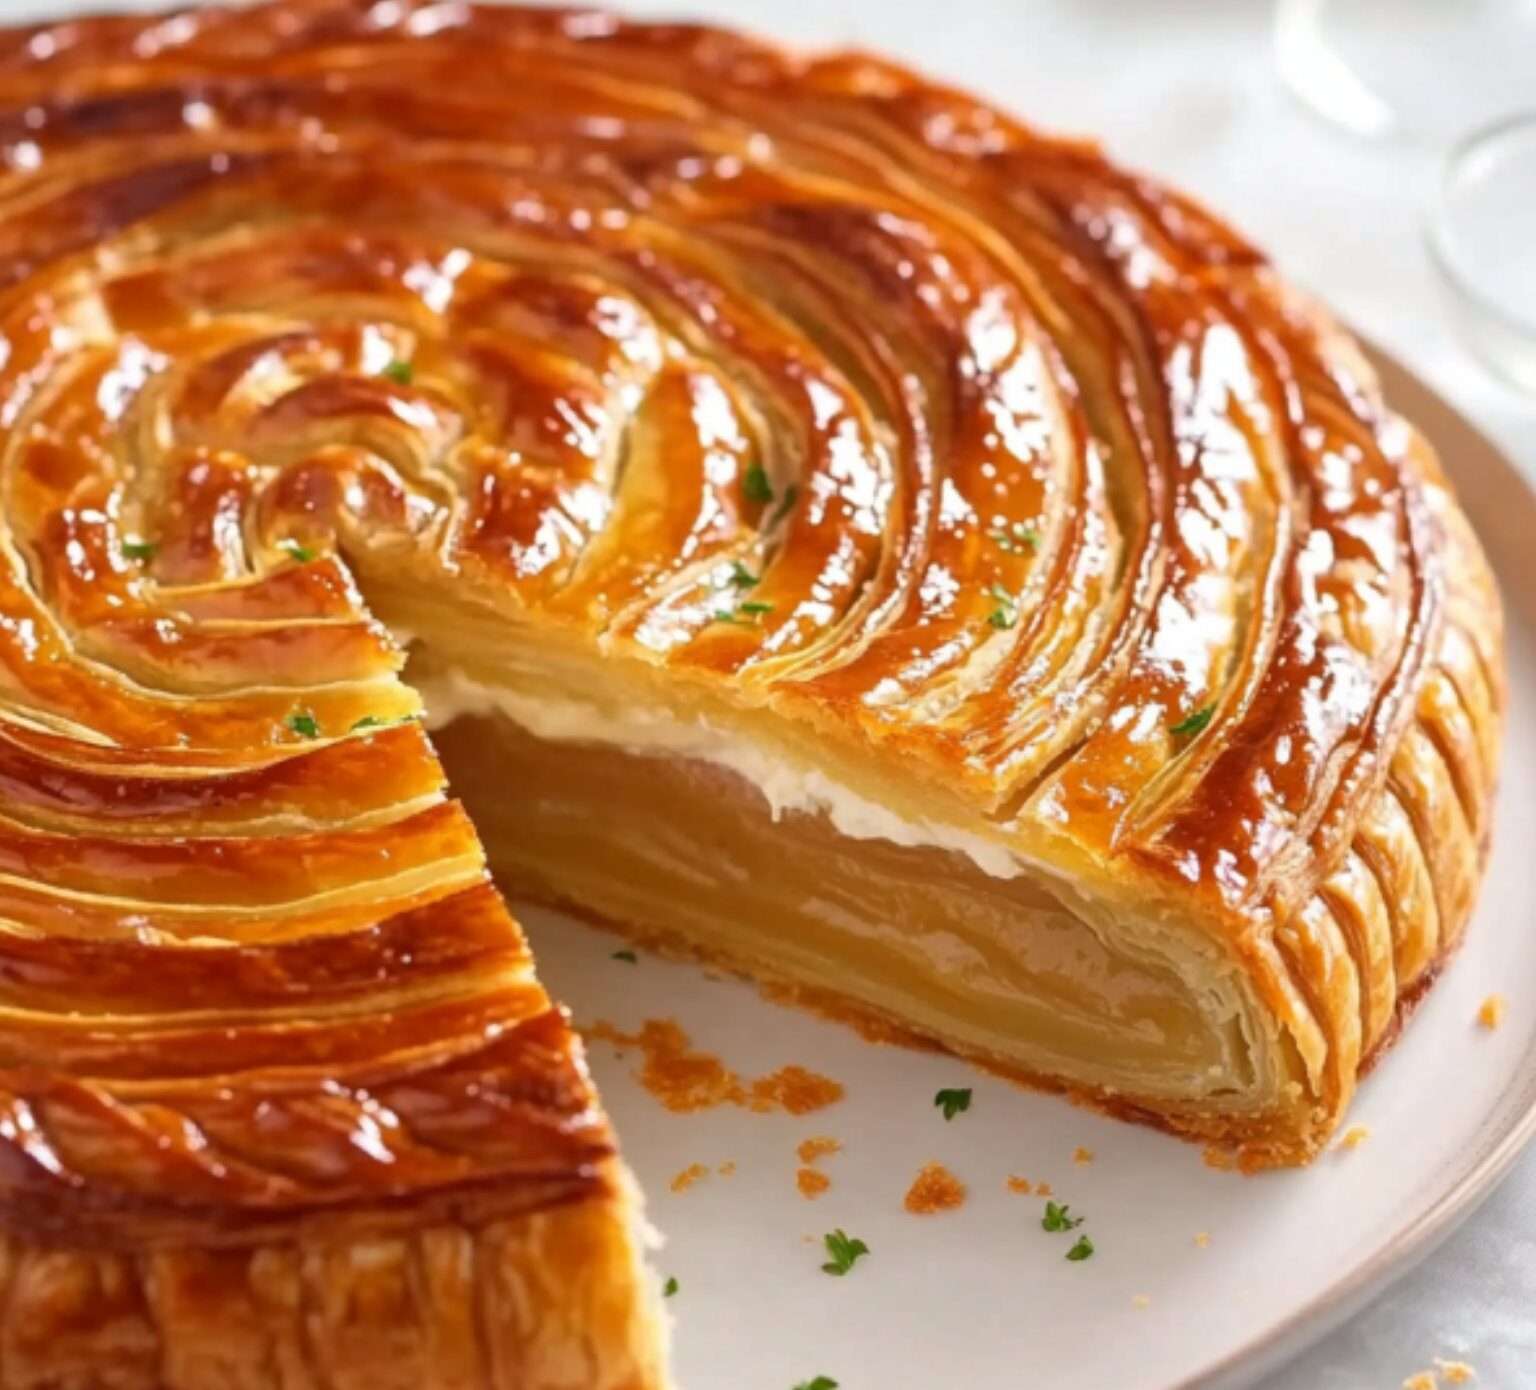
[[1455, 1372], [690, 1175], [1080, 1155], [1202, 1238], [934, 1189], [1140, 1300], [1491, 1013], [816, 1147], [811, 1183], [1355, 1136], [1019, 1185]]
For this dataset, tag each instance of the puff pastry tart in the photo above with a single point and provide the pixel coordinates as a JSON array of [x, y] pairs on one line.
[[836, 530]]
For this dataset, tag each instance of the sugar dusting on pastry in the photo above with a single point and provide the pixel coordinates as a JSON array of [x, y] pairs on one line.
[[935, 1189], [685, 1080], [1491, 1013]]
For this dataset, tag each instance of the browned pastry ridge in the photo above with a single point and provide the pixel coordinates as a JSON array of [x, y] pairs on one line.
[[838, 510]]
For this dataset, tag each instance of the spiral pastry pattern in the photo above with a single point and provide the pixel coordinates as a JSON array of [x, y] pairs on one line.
[[802, 377]]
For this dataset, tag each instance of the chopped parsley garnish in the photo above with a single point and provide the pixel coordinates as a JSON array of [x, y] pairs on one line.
[[820, 1383], [1082, 1250], [1056, 1218], [302, 553], [631, 958], [669, 1288], [742, 577], [303, 723], [372, 721], [399, 371], [755, 485], [1006, 614], [742, 613], [844, 1250], [140, 550], [1194, 723], [1015, 539], [953, 1103], [791, 496]]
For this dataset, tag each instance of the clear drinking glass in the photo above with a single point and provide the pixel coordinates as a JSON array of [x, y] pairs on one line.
[[1482, 237], [1426, 70]]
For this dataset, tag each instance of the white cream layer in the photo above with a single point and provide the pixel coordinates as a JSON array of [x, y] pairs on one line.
[[656, 732]]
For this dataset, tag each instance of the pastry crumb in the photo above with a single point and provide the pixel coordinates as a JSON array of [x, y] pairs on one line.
[[690, 1175], [1220, 1159], [1491, 1013], [1423, 1380], [934, 1189], [684, 1080], [795, 1090], [727, 1169], [818, 1146], [1042, 1189], [1455, 1372], [1355, 1136], [811, 1183], [1140, 1300], [1202, 1238], [1080, 1155], [1019, 1185]]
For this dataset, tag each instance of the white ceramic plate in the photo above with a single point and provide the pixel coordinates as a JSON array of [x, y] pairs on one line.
[[982, 1298]]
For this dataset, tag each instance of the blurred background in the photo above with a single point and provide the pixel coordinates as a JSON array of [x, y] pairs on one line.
[[1384, 152]]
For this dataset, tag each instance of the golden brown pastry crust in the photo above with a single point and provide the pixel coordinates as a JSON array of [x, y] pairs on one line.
[[800, 380]]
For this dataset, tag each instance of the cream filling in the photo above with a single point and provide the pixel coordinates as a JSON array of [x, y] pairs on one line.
[[784, 784]]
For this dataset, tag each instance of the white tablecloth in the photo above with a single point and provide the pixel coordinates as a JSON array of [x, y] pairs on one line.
[[1189, 91]]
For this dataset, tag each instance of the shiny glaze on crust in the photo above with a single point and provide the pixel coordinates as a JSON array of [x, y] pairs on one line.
[[992, 455]]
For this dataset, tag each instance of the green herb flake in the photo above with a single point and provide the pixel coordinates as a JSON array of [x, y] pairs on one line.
[[953, 1103], [1083, 1250], [1185, 728], [368, 721], [303, 723], [1015, 539], [628, 956], [819, 1383], [140, 550], [844, 1250], [1056, 1218], [755, 486], [791, 496], [742, 613], [399, 371], [669, 1288], [1006, 614], [292, 548], [742, 577]]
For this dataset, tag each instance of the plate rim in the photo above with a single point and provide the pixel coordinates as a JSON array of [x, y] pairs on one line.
[[1464, 450]]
